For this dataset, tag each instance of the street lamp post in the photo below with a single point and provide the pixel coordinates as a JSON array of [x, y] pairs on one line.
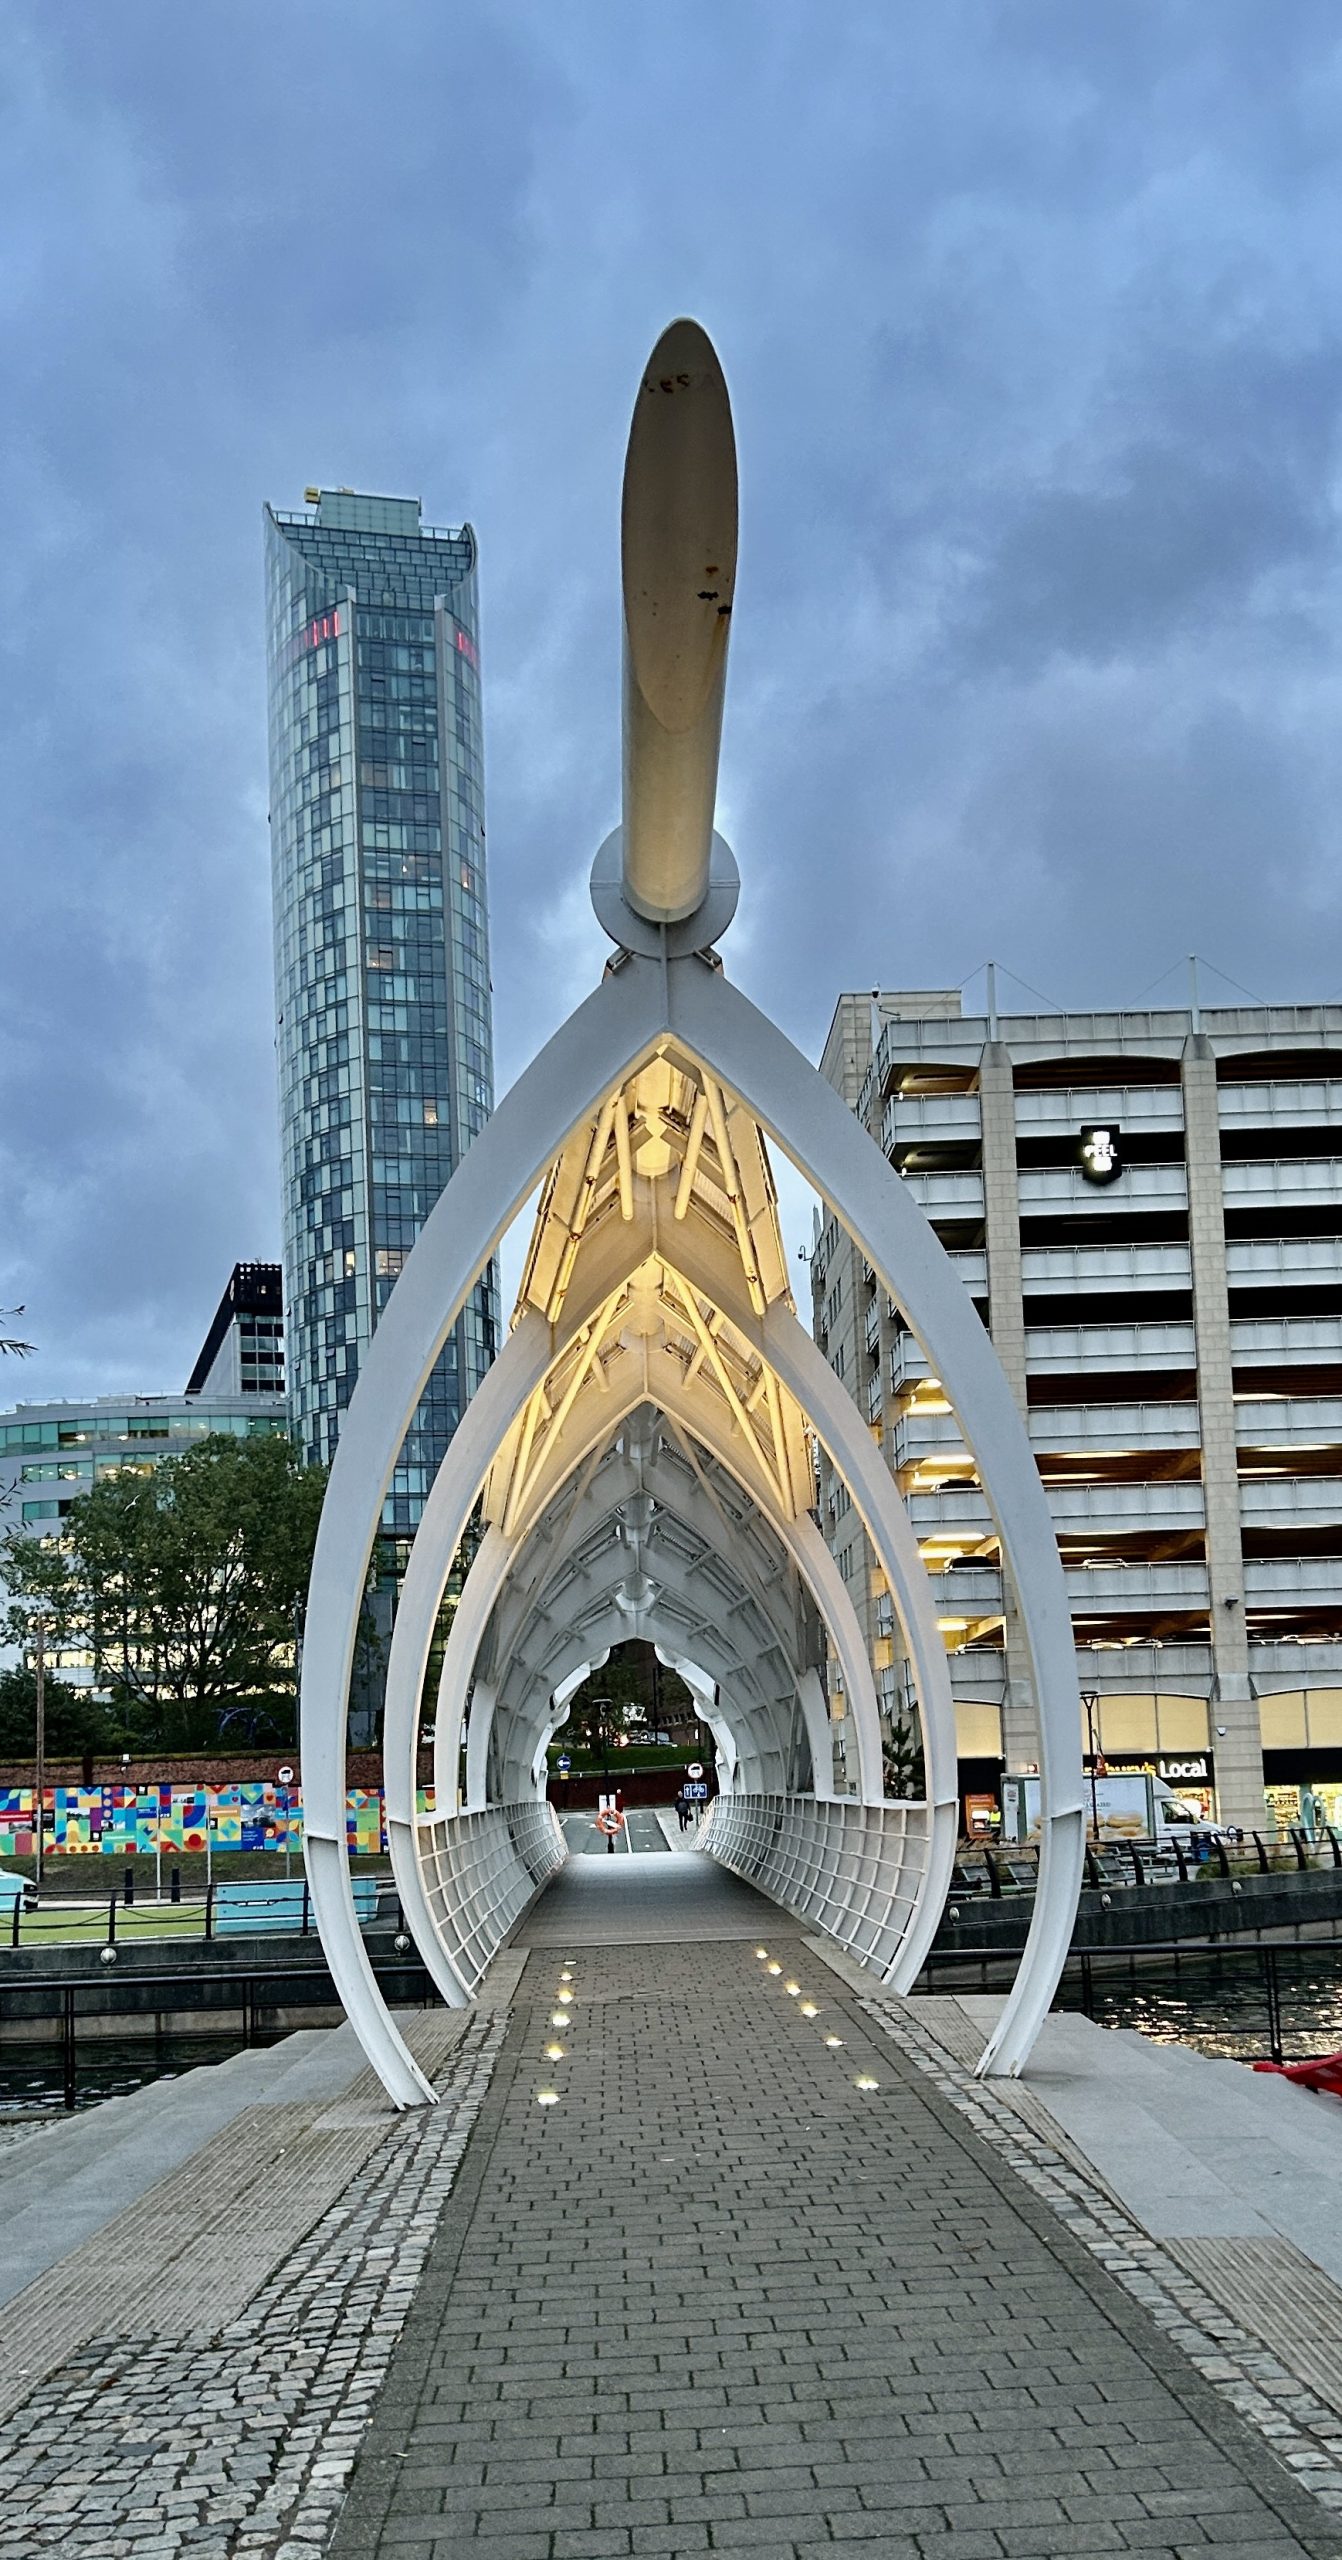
[[125, 1809], [1090, 1701], [40, 1768], [284, 1780]]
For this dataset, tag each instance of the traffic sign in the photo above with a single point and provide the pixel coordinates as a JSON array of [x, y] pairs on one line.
[[565, 1764], [695, 1790], [284, 1777], [696, 1768]]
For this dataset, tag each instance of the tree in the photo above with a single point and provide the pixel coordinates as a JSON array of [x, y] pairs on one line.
[[904, 1773], [76, 1721], [630, 1677], [7, 1341], [183, 1583]]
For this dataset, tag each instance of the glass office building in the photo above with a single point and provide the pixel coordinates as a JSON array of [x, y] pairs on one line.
[[52, 1454], [385, 1035]]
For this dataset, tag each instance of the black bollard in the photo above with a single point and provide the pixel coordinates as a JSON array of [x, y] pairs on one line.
[[175, 1885], [129, 1888]]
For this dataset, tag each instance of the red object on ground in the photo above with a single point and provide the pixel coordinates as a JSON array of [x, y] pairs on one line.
[[1324, 2072]]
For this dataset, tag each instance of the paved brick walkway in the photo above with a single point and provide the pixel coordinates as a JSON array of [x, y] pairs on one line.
[[721, 2297]]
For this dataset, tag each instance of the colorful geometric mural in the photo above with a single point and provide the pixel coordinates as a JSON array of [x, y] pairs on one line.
[[125, 1821]]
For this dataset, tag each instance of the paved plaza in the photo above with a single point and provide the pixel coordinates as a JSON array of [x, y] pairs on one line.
[[769, 2274], [749, 2285]]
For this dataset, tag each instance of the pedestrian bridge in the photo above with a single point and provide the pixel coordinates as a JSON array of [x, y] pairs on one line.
[[639, 1462], [640, 1459]]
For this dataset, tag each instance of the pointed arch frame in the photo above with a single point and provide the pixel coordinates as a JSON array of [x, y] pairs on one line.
[[640, 1005]]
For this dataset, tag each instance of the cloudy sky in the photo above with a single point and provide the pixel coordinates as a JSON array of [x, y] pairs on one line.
[[1030, 314]]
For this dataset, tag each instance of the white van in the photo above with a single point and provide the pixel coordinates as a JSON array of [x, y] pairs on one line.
[[1176, 1819], [1129, 1805]]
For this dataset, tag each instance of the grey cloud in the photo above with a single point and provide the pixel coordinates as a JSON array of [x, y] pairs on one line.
[[1097, 574], [1029, 316]]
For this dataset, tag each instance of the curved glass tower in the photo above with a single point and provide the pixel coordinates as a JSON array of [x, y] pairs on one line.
[[384, 1027]]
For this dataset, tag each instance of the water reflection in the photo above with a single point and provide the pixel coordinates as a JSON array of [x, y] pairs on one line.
[[1222, 2004], [1219, 2002], [32, 2076]]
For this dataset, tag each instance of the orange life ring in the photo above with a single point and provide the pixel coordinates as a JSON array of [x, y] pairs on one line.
[[609, 1822]]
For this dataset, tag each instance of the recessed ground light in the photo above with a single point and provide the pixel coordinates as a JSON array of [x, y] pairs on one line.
[[809, 2009], [566, 1976], [554, 2053], [833, 2040], [564, 1998], [547, 2097], [761, 1952], [558, 2019], [792, 1989], [865, 2081], [773, 1968]]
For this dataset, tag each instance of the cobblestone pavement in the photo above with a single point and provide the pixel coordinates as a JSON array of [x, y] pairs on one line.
[[751, 2283], [1278, 2366], [238, 2446], [771, 2272]]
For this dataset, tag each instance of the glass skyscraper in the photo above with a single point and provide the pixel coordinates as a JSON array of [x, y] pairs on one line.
[[385, 1033]]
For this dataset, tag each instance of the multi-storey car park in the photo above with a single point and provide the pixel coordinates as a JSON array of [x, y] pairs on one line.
[[1145, 1208]]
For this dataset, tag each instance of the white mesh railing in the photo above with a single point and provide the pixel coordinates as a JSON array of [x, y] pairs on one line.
[[853, 1870], [480, 1871]]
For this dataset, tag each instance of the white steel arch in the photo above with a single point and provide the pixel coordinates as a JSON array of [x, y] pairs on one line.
[[656, 1274], [604, 1539], [799, 1366], [525, 1572], [497, 1560], [668, 1625], [497, 1410], [792, 1359], [671, 1604], [500, 1169], [649, 1486]]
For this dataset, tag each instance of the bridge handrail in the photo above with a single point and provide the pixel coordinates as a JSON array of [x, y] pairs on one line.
[[480, 1872], [851, 1869]]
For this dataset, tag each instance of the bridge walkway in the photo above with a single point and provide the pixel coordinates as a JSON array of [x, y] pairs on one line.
[[749, 2283], [642, 1832]]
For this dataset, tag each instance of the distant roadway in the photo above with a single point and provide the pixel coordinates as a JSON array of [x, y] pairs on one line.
[[642, 1830]]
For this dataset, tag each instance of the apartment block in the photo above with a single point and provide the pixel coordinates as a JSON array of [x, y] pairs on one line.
[[1146, 1210], [243, 1352], [384, 1011]]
